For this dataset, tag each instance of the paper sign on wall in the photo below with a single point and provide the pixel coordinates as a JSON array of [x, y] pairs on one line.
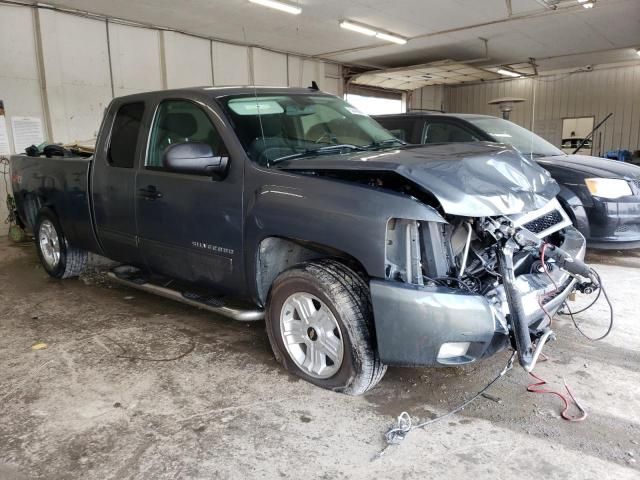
[[4, 136], [27, 131]]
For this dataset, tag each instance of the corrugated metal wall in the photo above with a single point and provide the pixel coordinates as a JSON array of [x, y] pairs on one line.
[[596, 93]]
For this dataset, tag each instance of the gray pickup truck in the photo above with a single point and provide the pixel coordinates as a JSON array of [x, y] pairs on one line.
[[358, 250]]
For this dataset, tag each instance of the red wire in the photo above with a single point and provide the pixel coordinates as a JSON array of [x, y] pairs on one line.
[[534, 388]]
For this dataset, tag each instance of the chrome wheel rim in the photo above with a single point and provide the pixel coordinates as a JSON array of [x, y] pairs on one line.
[[311, 334], [49, 243]]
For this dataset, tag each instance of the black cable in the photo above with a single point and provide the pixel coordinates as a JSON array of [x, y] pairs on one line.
[[404, 424], [440, 281], [453, 279], [604, 292], [585, 308]]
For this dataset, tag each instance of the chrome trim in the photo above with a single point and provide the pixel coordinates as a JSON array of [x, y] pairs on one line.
[[548, 333], [234, 313], [311, 334]]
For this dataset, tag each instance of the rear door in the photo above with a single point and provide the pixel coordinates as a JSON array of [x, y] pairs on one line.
[[190, 226], [121, 142]]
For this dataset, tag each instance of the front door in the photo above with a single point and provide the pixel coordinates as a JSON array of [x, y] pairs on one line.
[[190, 226]]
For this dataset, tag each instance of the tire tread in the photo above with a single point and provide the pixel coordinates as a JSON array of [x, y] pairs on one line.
[[74, 260]]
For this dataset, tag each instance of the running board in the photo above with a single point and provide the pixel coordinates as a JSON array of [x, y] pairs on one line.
[[195, 300]]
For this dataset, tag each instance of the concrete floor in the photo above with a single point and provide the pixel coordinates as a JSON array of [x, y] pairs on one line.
[[132, 386]]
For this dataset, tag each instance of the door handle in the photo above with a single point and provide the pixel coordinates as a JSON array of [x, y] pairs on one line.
[[150, 192]]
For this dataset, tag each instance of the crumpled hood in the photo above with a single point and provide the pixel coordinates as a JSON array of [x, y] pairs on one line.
[[591, 166], [468, 179]]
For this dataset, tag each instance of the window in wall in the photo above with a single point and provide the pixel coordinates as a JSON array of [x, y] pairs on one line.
[[574, 131], [180, 121], [124, 135], [375, 105]]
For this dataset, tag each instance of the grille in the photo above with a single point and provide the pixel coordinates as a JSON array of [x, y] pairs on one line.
[[628, 228], [544, 222]]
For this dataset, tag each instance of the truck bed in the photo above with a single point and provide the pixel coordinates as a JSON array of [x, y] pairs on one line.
[[61, 184]]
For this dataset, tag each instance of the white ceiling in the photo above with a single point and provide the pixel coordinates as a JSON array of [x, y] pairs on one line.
[[437, 29]]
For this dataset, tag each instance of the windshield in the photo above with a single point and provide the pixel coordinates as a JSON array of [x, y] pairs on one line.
[[275, 127], [525, 141]]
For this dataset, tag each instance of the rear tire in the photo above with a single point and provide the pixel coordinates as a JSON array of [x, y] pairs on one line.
[[320, 325], [58, 258]]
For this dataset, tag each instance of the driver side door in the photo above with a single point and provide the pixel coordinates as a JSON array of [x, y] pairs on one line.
[[189, 225]]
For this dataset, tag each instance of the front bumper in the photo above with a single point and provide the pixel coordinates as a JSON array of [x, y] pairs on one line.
[[414, 322], [614, 224]]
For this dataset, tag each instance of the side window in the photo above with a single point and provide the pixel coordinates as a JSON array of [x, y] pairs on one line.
[[399, 128], [446, 132], [180, 121], [124, 135]]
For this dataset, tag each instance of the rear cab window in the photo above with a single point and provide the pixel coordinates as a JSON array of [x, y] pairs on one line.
[[401, 128], [124, 135], [442, 131]]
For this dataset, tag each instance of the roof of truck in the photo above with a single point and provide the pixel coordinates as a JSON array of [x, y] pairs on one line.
[[432, 113], [224, 91]]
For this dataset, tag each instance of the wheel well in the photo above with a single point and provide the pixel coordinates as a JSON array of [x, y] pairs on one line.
[[33, 205], [567, 208], [277, 254]]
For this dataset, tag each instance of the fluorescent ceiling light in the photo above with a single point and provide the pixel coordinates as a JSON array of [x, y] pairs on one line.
[[391, 38], [638, 51], [586, 3], [357, 28], [282, 6], [508, 73], [372, 32]]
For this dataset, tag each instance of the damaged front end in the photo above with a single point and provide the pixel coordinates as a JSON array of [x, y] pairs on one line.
[[460, 291]]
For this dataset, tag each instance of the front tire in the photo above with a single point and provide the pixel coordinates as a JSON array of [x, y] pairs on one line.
[[320, 325], [58, 258]]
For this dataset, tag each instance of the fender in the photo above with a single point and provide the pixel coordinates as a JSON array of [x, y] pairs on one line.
[[320, 210], [575, 208]]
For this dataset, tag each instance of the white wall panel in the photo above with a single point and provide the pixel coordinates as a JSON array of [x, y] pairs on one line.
[[302, 71], [269, 68], [19, 81], [333, 86], [230, 64], [76, 69], [333, 82], [135, 59], [188, 60], [596, 93]]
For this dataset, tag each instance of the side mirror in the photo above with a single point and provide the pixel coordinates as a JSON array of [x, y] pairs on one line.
[[195, 158]]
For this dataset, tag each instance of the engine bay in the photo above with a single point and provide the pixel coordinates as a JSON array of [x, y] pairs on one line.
[[524, 266]]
